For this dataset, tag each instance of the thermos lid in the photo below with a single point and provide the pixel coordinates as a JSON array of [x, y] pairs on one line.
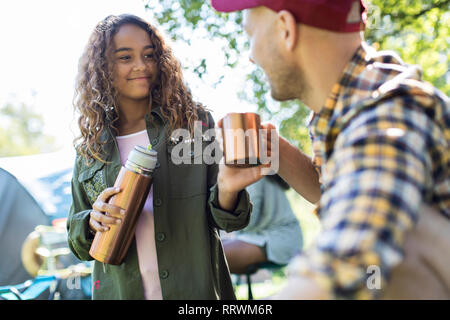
[[143, 157]]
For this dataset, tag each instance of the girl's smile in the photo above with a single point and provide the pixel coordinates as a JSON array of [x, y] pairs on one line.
[[136, 69], [147, 79]]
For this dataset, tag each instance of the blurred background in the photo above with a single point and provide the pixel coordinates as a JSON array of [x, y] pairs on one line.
[[41, 44]]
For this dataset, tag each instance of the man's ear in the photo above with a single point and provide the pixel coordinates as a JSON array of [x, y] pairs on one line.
[[288, 29]]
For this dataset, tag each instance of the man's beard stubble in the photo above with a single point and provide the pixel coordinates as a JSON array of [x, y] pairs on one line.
[[288, 84]]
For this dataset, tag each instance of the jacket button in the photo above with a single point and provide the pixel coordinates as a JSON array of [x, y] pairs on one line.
[[158, 202], [164, 274], [154, 141], [160, 236], [158, 165]]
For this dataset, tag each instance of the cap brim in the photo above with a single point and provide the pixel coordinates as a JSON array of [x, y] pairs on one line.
[[234, 5]]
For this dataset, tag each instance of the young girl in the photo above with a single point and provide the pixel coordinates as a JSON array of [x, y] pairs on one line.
[[130, 91]]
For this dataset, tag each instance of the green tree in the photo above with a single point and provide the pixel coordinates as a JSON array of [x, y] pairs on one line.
[[417, 29], [21, 131]]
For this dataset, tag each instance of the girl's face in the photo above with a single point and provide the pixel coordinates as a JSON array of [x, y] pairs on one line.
[[135, 68]]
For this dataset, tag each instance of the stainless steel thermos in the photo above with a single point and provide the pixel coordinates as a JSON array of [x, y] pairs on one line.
[[134, 180]]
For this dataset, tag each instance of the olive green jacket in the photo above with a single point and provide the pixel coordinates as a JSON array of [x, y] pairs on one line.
[[187, 216]]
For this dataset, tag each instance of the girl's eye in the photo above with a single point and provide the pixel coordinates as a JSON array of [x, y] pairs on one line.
[[149, 56], [125, 58]]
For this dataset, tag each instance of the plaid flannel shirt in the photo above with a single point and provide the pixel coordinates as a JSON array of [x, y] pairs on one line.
[[381, 146]]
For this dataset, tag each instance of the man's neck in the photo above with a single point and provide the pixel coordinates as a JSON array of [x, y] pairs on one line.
[[324, 63]]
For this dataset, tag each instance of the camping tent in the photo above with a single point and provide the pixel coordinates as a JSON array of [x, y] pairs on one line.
[[34, 190], [46, 177], [19, 215]]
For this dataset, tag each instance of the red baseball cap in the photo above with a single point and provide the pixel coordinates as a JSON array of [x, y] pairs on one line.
[[333, 15]]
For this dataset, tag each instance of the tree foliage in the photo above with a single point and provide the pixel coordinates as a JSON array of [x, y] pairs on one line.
[[417, 30], [21, 131]]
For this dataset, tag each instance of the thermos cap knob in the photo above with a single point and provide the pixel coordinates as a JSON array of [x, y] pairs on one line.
[[143, 157]]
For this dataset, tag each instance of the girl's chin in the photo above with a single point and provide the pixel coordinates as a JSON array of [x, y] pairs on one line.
[[140, 94], [136, 96]]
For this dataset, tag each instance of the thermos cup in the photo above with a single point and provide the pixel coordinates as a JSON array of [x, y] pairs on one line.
[[134, 180], [240, 134]]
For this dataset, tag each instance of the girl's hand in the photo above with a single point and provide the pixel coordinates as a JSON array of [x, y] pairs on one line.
[[232, 180], [104, 214]]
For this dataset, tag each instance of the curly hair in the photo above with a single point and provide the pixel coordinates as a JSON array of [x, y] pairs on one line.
[[96, 98]]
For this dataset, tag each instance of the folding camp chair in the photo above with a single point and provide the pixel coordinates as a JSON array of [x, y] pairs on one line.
[[252, 269], [30, 289]]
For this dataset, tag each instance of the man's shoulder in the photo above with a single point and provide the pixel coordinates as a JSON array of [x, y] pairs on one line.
[[402, 93], [409, 83], [381, 74]]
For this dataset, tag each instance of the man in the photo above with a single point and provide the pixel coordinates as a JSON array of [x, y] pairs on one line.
[[381, 152]]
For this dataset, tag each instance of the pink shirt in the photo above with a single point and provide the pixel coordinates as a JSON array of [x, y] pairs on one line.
[[145, 230]]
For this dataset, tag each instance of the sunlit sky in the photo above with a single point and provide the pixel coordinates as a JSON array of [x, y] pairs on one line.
[[42, 41]]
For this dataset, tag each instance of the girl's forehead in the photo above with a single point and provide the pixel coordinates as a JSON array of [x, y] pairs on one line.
[[130, 34]]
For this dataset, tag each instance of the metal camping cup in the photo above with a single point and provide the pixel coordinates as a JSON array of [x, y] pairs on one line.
[[134, 180], [240, 133]]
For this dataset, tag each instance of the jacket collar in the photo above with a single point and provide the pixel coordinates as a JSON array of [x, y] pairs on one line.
[[156, 112]]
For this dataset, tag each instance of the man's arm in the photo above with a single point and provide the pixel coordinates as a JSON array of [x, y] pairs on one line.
[[295, 168], [298, 171]]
